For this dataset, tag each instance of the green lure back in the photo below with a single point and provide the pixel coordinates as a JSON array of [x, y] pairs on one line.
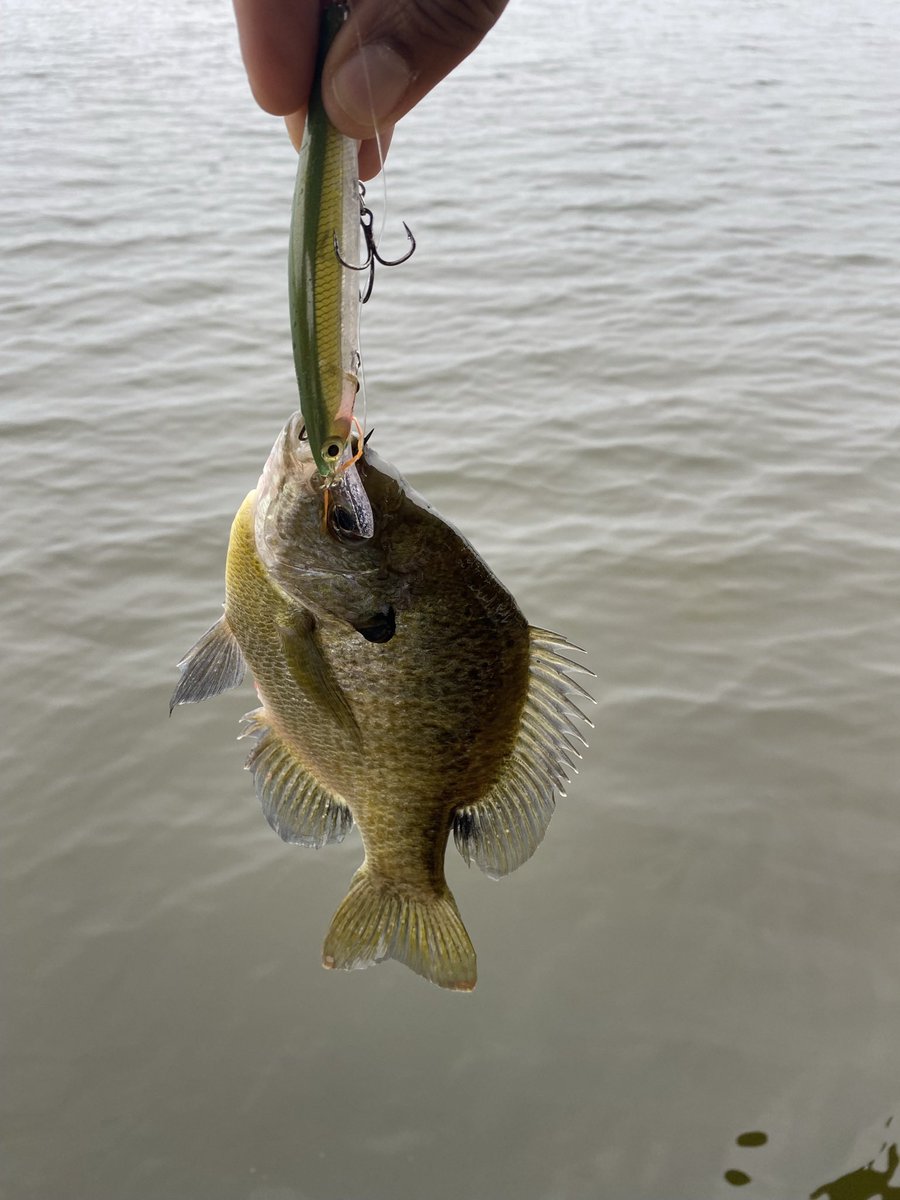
[[323, 293]]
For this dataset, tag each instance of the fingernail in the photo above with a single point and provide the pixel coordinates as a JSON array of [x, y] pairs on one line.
[[295, 123], [370, 85]]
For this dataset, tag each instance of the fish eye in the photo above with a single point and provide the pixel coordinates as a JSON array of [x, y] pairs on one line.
[[332, 450], [344, 524], [302, 436]]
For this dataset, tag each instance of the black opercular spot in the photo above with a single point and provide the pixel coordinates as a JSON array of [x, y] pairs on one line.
[[380, 627]]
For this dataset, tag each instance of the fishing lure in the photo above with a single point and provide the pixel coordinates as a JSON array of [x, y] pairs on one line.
[[328, 214], [324, 297]]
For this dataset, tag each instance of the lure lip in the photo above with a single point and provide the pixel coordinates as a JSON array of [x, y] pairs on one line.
[[348, 511]]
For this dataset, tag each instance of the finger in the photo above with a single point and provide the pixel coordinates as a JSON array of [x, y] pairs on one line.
[[372, 152], [278, 44], [370, 159], [392, 52], [295, 123]]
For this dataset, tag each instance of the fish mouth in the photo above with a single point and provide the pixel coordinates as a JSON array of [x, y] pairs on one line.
[[289, 458], [294, 431], [272, 479], [347, 510], [292, 496], [289, 466]]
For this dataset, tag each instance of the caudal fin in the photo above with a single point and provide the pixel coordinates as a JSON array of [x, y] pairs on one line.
[[377, 921]]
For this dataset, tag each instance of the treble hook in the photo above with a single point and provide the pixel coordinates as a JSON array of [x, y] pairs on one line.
[[366, 221]]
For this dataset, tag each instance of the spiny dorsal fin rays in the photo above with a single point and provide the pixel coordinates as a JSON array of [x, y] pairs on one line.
[[555, 669], [503, 829], [551, 659], [543, 731], [558, 715], [295, 804], [546, 747], [546, 637], [212, 665], [560, 751], [560, 684], [558, 688]]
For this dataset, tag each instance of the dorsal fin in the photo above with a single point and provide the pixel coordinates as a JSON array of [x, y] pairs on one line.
[[295, 804], [503, 829], [211, 666]]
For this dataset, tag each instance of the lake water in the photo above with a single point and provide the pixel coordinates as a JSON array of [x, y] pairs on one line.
[[647, 358]]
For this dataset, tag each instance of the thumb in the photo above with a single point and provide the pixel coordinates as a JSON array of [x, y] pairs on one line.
[[391, 53]]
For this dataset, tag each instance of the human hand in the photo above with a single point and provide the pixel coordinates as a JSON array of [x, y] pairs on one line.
[[388, 55]]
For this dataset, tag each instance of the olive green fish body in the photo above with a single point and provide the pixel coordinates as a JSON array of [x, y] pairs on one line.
[[401, 689], [272, 632], [418, 740]]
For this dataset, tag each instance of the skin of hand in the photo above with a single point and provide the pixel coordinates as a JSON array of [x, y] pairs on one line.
[[388, 55]]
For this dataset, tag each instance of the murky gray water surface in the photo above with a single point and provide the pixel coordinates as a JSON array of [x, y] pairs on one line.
[[646, 358]]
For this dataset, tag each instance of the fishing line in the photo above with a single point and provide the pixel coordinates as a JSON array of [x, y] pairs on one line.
[[378, 142], [372, 238], [362, 398], [361, 395]]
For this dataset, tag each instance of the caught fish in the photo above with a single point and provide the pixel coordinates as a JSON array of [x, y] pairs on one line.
[[401, 688], [323, 293]]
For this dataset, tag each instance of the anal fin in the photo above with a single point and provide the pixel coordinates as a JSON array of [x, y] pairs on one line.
[[503, 829], [296, 805], [211, 666]]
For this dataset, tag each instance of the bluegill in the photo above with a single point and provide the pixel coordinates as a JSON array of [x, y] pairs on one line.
[[401, 689]]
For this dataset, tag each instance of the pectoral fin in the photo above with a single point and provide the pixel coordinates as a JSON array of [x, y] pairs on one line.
[[213, 665], [503, 829], [311, 670], [295, 804]]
